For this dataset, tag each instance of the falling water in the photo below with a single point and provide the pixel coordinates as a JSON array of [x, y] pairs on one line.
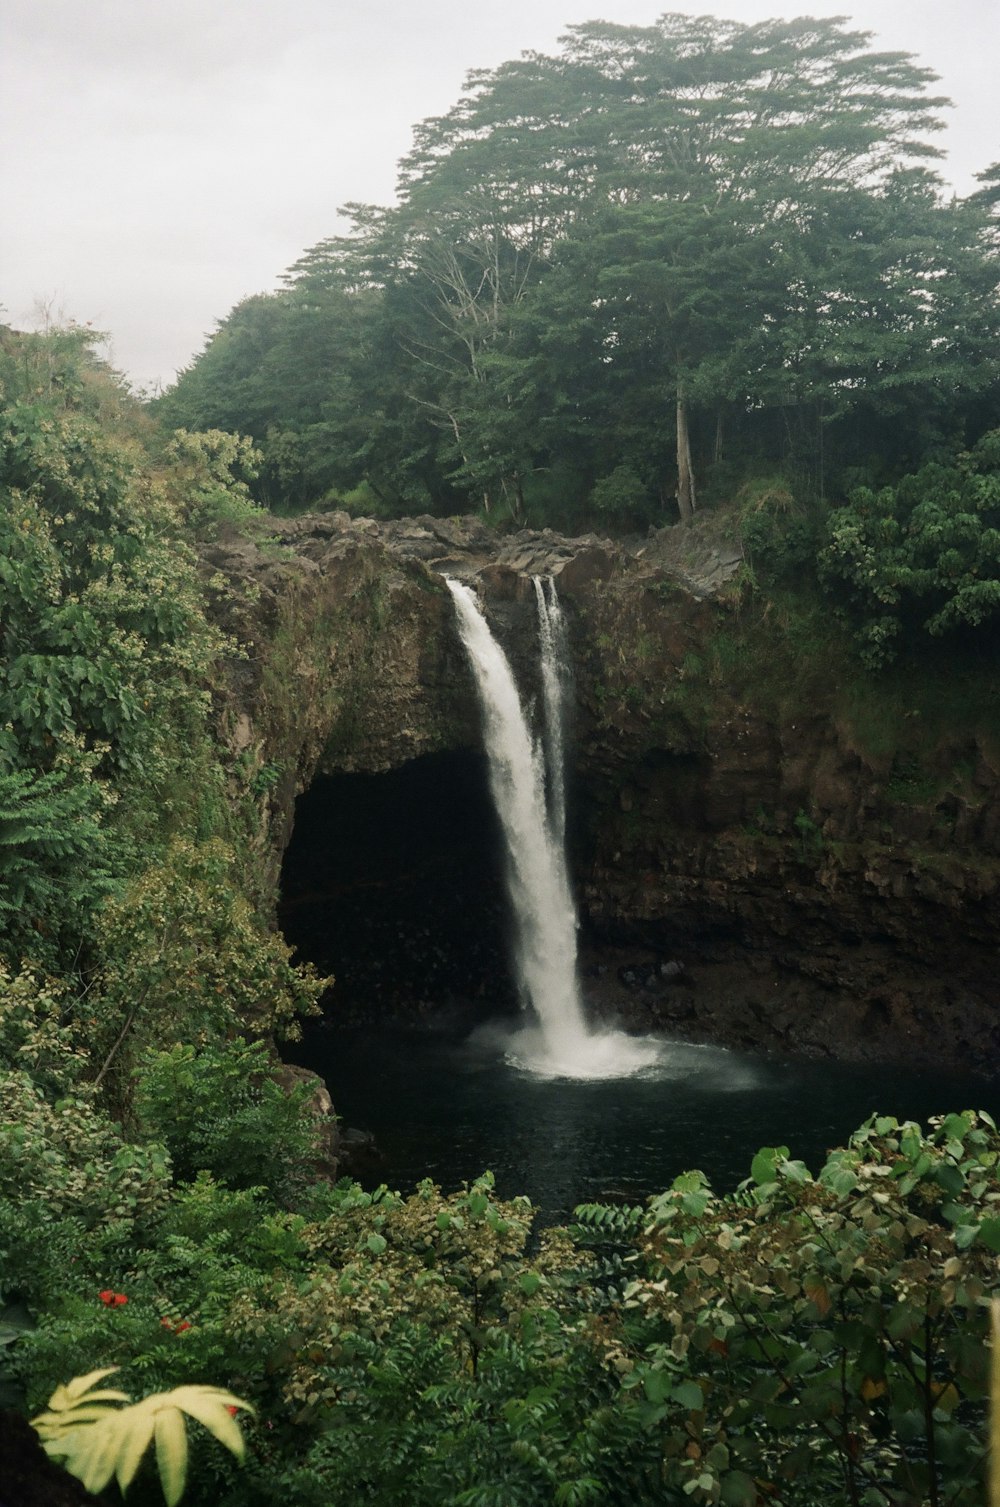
[[559, 1042], [552, 636]]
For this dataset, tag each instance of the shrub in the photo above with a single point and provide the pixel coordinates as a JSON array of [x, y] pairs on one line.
[[922, 556], [217, 1110]]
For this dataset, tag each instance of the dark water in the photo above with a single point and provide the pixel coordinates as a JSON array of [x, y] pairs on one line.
[[449, 1109]]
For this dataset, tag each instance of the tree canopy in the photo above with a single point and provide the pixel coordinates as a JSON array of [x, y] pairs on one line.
[[611, 268]]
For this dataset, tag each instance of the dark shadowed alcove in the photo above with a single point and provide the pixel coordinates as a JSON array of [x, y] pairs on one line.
[[393, 882]]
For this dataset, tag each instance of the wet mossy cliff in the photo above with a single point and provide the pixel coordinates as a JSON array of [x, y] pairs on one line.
[[769, 849]]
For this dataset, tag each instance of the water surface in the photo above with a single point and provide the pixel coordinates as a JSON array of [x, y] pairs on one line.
[[450, 1108]]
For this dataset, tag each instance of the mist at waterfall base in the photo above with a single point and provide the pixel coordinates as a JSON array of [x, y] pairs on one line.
[[449, 1107], [555, 1110]]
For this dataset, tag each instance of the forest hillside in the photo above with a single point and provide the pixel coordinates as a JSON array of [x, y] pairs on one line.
[[671, 270]]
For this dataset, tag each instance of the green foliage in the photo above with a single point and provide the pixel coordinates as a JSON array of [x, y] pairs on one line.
[[72, 1189], [833, 1328], [695, 235], [15, 1320], [921, 555], [185, 958], [620, 495], [824, 1336], [107, 648], [217, 1110], [41, 1032], [779, 532], [810, 837], [95, 1441], [55, 865], [820, 1337], [212, 472]]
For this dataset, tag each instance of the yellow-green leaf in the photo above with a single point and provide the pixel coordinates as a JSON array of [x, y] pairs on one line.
[[50, 1424], [91, 1457], [69, 1395], [136, 1431], [171, 1451], [211, 1410]]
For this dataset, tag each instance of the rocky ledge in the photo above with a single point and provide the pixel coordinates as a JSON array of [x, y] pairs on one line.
[[818, 894]]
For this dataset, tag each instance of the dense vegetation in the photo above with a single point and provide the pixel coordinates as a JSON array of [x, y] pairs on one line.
[[696, 250], [691, 261]]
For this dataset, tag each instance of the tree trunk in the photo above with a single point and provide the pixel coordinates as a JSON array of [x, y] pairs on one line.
[[685, 475]]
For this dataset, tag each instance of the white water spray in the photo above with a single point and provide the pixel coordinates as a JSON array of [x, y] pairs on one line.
[[559, 1044]]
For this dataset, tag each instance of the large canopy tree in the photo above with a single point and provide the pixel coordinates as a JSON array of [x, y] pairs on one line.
[[685, 156], [695, 220]]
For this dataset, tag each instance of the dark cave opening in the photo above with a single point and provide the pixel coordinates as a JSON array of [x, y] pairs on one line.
[[394, 884]]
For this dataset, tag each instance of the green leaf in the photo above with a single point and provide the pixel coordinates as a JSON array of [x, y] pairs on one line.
[[688, 1395], [737, 1489], [764, 1167], [989, 1234], [657, 1384], [949, 1177]]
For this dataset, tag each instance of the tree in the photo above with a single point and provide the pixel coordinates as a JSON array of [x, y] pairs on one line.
[[680, 157], [602, 258]]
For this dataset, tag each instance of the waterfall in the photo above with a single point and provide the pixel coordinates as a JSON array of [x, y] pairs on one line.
[[528, 787], [554, 661]]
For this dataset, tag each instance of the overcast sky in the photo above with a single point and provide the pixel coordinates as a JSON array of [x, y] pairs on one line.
[[162, 159]]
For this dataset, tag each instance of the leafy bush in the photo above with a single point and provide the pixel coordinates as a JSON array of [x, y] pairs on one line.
[[212, 471], [779, 531], [804, 1339], [184, 958], [622, 495], [826, 1335], [217, 1110], [103, 684], [72, 1189], [923, 556]]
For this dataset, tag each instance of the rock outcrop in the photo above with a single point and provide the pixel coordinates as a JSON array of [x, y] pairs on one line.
[[819, 889]]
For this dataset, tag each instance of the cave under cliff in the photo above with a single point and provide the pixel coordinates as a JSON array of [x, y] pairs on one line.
[[393, 883]]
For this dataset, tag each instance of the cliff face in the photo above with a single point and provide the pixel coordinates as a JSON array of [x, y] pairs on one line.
[[759, 864]]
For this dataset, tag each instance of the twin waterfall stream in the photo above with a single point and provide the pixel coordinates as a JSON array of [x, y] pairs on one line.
[[556, 1106], [527, 780]]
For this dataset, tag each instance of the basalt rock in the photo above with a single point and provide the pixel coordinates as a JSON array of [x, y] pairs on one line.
[[28, 1478], [729, 818]]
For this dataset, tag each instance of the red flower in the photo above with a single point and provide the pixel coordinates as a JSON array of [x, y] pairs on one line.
[[180, 1328], [112, 1299]]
